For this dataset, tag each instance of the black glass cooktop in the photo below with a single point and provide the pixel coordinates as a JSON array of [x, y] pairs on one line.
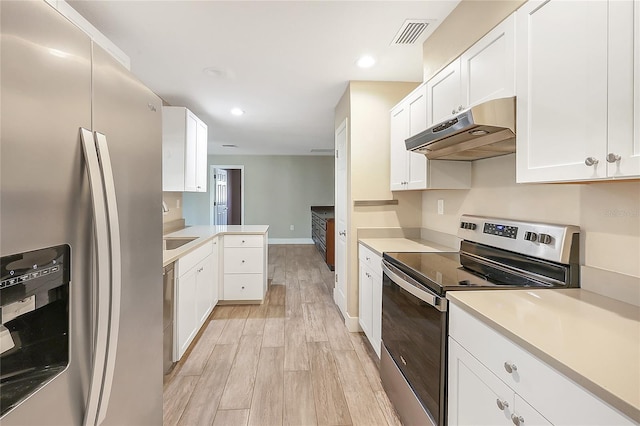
[[444, 271]]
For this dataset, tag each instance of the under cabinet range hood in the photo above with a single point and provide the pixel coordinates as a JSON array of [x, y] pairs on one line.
[[483, 131]]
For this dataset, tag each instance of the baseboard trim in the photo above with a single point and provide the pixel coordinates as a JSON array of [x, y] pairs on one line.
[[352, 324], [290, 241]]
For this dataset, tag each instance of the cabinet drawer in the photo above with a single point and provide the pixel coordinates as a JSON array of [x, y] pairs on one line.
[[243, 260], [537, 382], [243, 286], [371, 259], [190, 260], [243, 241]]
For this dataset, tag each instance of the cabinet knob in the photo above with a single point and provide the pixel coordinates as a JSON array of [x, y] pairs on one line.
[[460, 108], [502, 404], [368, 258], [510, 367], [544, 238], [453, 111], [517, 420], [613, 158], [242, 241], [367, 274], [591, 161], [242, 287], [243, 261]]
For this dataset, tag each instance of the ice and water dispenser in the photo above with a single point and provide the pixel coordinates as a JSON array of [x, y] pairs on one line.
[[34, 335]]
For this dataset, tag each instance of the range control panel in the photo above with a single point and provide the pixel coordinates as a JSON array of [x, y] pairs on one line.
[[543, 240], [500, 230]]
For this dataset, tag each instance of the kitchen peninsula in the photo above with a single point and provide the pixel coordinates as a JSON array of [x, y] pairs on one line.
[[213, 265]]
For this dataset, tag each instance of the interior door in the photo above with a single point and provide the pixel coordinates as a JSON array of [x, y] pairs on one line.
[[220, 204], [339, 292]]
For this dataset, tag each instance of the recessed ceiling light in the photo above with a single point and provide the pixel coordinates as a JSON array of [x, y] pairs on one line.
[[366, 61], [237, 111]]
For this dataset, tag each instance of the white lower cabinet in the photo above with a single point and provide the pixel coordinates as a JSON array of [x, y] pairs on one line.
[[478, 397], [244, 268], [493, 381], [370, 296], [195, 294]]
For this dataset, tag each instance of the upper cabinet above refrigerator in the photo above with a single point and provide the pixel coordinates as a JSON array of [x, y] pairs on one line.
[[184, 151]]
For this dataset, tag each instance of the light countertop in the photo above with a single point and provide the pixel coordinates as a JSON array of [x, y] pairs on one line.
[[380, 245], [592, 339], [204, 234]]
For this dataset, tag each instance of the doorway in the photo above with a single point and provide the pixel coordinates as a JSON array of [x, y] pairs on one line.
[[226, 204]]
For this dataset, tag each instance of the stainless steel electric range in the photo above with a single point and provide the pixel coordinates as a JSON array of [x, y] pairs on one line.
[[494, 254]]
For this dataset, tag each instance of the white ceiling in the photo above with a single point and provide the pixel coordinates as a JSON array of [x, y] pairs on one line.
[[285, 63]]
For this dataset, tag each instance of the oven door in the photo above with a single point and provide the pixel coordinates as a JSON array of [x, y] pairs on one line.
[[414, 332]]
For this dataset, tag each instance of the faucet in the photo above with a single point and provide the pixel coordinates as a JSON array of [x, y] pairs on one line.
[[165, 208]]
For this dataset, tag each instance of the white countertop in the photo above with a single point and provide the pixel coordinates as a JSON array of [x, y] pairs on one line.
[[592, 339], [380, 245], [204, 234]]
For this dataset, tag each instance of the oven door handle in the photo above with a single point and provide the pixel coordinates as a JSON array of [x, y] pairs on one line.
[[405, 282]]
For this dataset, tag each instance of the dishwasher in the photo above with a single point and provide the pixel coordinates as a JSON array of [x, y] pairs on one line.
[[168, 287]]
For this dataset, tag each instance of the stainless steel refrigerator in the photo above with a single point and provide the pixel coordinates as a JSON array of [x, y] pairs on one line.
[[80, 229]]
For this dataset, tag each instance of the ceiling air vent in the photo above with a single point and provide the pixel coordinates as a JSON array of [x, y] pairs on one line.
[[411, 31], [226, 145]]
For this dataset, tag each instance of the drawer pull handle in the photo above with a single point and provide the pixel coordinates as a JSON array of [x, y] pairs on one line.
[[517, 420], [510, 367], [502, 404]]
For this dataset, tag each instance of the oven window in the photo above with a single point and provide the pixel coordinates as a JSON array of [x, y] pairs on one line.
[[414, 333]]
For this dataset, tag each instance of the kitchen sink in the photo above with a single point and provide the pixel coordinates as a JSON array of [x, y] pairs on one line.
[[174, 243]]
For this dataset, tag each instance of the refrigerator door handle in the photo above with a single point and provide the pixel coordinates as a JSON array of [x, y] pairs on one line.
[[101, 231], [116, 272]]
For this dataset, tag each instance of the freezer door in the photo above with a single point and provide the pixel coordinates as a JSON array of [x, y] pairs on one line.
[[44, 194], [129, 116]]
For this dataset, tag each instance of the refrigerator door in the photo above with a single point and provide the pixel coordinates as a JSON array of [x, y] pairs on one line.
[[44, 191], [129, 116]]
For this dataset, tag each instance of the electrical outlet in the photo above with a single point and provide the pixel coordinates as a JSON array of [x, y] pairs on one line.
[[291, 228], [178, 203], [440, 206]]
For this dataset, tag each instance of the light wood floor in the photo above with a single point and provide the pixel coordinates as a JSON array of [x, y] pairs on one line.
[[289, 361]]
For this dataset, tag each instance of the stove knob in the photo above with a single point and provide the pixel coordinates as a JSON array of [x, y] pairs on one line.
[[531, 236], [463, 225], [472, 226], [545, 238]]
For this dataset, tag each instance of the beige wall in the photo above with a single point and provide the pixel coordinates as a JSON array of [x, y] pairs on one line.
[[607, 213], [174, 202], [278, 191], [466, 24], [367, 106]]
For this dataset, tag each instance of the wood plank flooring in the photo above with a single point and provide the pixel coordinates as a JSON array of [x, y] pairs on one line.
[[290, 361]]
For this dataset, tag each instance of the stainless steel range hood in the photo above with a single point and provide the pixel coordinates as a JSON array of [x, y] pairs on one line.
[[483, 131]]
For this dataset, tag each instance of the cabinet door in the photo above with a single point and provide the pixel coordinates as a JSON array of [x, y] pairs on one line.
[[488, 67], [624, 90], [475, 395], [376, 313], [398, 153], [561, 90], [186, 317], [204, 290], [417, 163], [201, 157], [191, 152], [527, 415], [215, 273], [365, 301], [444, 97]]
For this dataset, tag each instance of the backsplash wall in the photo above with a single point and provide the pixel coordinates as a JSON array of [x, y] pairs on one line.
[[608, 213]]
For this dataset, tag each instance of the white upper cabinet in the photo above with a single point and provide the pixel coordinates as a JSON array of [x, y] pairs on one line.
[[411, 170], [485, 71], [408, 169], [576, 118], [184, 151]]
